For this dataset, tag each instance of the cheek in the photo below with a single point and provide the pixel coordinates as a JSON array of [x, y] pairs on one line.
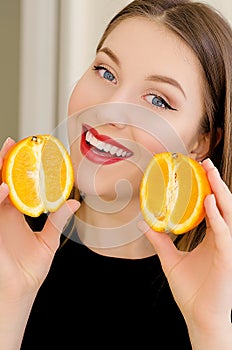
[[154, 146], [79, 98], [189, 136], [150, 143], [88, 92]]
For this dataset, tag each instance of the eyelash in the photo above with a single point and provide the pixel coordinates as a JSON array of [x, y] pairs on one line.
[[98, 68], [164, 104]]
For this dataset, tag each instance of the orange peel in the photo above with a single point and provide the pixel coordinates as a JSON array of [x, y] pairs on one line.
[[39, 173], [172, 193]]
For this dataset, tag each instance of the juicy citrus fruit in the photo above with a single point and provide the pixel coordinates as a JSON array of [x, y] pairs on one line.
[[39, 173], [172, 193]]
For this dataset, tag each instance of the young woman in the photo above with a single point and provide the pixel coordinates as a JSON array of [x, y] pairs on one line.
[[110, 281]]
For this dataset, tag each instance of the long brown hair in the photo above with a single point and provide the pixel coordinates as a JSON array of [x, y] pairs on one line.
[[209, 35]]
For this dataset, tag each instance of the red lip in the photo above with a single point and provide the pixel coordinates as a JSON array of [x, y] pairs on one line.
[[101, 156]]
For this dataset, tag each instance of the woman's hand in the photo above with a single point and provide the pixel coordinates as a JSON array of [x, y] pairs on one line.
[[25, 259], [201, 280], [26, 256]]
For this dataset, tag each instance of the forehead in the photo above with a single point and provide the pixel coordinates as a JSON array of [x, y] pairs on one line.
[[150, 42]]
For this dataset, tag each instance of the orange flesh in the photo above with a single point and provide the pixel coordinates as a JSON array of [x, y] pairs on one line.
[[39, 173], [26, 190], [172, 193]]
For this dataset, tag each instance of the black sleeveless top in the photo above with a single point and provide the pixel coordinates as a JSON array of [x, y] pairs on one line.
[[89, 300]]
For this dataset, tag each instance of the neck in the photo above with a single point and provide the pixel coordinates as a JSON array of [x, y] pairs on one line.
[[112, 233]]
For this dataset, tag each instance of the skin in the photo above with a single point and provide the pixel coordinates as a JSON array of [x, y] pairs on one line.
[[200, 280], [167, 70]]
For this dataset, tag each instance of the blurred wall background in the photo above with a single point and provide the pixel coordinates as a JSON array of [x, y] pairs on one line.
[[46, 45], [9, 67]]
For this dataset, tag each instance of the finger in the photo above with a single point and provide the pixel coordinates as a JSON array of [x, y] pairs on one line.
[[5, 148], [163, 245], [9, 142], [220, 229], [4, 191], [222, 193], [56, 222]]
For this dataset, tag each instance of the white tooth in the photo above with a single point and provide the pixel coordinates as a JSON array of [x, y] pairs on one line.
[[113, 150], [119, 152], [91, 138], [107, 147], [128, 154], [94, 141], [88, 136], [100, 145]]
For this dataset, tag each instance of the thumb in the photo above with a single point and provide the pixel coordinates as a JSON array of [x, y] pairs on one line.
[[56, 222], [163, 245]]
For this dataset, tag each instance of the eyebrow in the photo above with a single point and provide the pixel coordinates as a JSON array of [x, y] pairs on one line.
[[155, 78], [168, 80], [110, 53]]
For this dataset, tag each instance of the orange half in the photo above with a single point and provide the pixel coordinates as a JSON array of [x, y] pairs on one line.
[[39, 173], [172, 193]]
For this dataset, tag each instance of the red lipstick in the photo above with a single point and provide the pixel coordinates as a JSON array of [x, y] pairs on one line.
[[101, 149]]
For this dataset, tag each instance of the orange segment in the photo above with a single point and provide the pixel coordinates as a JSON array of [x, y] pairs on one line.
[[172, 193], [39, 173], [56, 174]]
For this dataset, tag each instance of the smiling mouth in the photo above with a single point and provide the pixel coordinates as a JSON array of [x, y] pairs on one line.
[[102, 149]]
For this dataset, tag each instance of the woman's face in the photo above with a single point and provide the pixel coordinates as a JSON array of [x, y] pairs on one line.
[[141, 63]]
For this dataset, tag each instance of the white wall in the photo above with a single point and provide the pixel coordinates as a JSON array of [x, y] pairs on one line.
[[58, 41], [9, 69], [81, 26], [224, 6], [38, 66]]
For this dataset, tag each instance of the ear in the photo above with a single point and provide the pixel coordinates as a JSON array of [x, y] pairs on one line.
[[200, 149]]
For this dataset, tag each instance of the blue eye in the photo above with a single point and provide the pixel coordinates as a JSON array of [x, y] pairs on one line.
[[105, 73], [158, 101]]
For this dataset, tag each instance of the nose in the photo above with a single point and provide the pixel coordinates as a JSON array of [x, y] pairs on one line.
[[116, 107], [114, 113]]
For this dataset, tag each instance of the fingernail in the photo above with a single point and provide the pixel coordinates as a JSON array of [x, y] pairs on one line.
[[74, 205], [212, 167], [212, 198], [4, 186], [210, 163], [7, 141]]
